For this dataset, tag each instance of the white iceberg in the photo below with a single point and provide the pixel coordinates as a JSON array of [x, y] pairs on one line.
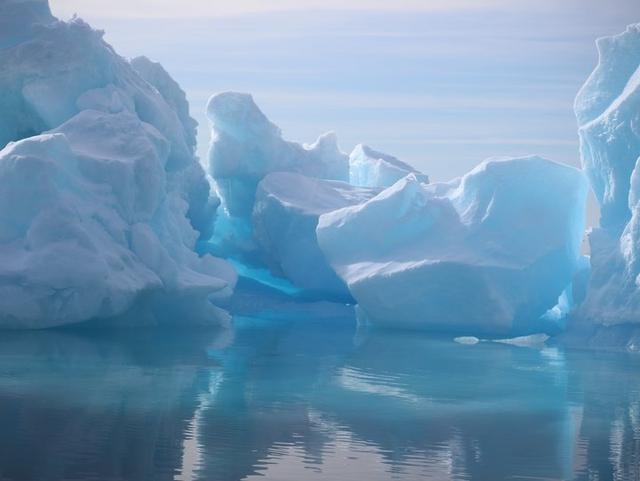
[[285, 217], [608, 112], [488, 253], [99, 181], [608, 116], [370, 168]]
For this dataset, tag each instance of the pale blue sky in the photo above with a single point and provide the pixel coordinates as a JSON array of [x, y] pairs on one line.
[[440, 84]]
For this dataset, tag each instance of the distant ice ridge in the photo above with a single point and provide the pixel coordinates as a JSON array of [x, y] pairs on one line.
[[488, 253], [103, 198], [245, 147], [608, 112]]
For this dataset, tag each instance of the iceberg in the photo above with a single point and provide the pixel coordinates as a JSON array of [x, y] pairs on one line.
[[246, 146], [488, 253], [370, 168], [103, 198], [608, 112], [45, 81], [285, 217]]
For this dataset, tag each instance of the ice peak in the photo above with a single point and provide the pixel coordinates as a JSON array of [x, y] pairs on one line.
[[236, 114], [369, 167], [363, 149], [618, 59], [327, 142]]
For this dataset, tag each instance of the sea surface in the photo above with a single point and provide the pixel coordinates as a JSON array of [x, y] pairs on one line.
[[311, 399]]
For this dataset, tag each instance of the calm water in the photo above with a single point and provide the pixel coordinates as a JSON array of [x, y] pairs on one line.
[[297, 400]]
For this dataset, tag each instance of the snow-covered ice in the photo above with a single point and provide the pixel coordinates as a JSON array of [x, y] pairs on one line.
[[487, 253], [370, 168], [285, 217], [102, 193]]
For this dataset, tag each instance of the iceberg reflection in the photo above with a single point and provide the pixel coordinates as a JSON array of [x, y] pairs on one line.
[[309, 400]]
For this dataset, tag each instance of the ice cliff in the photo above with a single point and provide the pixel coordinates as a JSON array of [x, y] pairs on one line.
[[608, 112], [102, 198]]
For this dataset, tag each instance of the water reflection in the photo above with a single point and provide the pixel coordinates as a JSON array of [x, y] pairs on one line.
[[102, 406], [310, 400]]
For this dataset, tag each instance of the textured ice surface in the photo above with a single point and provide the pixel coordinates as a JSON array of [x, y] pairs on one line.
[[246, 146], [487, 253], [285, 217], [370, 168], [608, 111], [202, 202], [63, 68], [171, 92], [607, 108], [101, 190]]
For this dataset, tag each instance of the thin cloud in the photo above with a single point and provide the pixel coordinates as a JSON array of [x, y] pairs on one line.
[[394, 101], [207, 8]]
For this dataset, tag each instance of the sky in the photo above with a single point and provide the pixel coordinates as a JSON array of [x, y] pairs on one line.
[[442, 84]]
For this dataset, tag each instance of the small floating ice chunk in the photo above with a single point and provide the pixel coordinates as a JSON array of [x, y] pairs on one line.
[[470, 340], [525, 341]]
